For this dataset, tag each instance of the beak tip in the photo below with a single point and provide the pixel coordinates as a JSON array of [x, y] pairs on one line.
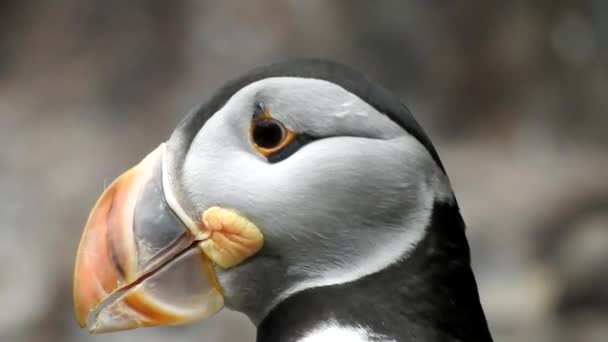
[[80, 316]]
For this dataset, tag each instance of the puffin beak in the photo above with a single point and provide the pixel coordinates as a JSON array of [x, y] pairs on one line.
[[138, 263]]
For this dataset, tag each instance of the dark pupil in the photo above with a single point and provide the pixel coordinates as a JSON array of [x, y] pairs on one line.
[[267, 134]]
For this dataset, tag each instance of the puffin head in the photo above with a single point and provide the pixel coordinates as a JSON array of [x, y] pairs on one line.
[[294, 176]]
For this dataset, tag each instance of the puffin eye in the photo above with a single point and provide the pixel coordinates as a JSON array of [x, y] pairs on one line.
[[268, 133], [270, 136]]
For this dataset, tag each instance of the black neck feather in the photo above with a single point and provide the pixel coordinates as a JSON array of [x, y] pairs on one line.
[[429, 296]]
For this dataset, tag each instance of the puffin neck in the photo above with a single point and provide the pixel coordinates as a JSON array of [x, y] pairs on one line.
[[431, 295]]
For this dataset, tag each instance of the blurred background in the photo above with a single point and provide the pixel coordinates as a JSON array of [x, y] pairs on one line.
[[514, 95]]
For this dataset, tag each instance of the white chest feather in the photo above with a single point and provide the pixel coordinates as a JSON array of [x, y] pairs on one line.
[[331, 331]]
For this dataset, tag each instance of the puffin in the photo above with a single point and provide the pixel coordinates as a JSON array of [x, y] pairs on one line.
[[301, 194]]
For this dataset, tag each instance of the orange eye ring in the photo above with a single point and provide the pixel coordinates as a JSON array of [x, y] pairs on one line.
[[270, 136]]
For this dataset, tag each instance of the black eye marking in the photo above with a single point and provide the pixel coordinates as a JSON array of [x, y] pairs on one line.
[[268, 133], [291, 148], [272, 139]]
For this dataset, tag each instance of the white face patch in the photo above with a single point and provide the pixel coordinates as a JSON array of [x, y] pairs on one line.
[[349, 108], [332, 331], [346, 205]]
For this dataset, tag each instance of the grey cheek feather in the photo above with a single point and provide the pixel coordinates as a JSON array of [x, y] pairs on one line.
[[324, 210], [334, 198]]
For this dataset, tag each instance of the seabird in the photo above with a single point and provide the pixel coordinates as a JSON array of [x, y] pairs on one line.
[[301, 194]]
